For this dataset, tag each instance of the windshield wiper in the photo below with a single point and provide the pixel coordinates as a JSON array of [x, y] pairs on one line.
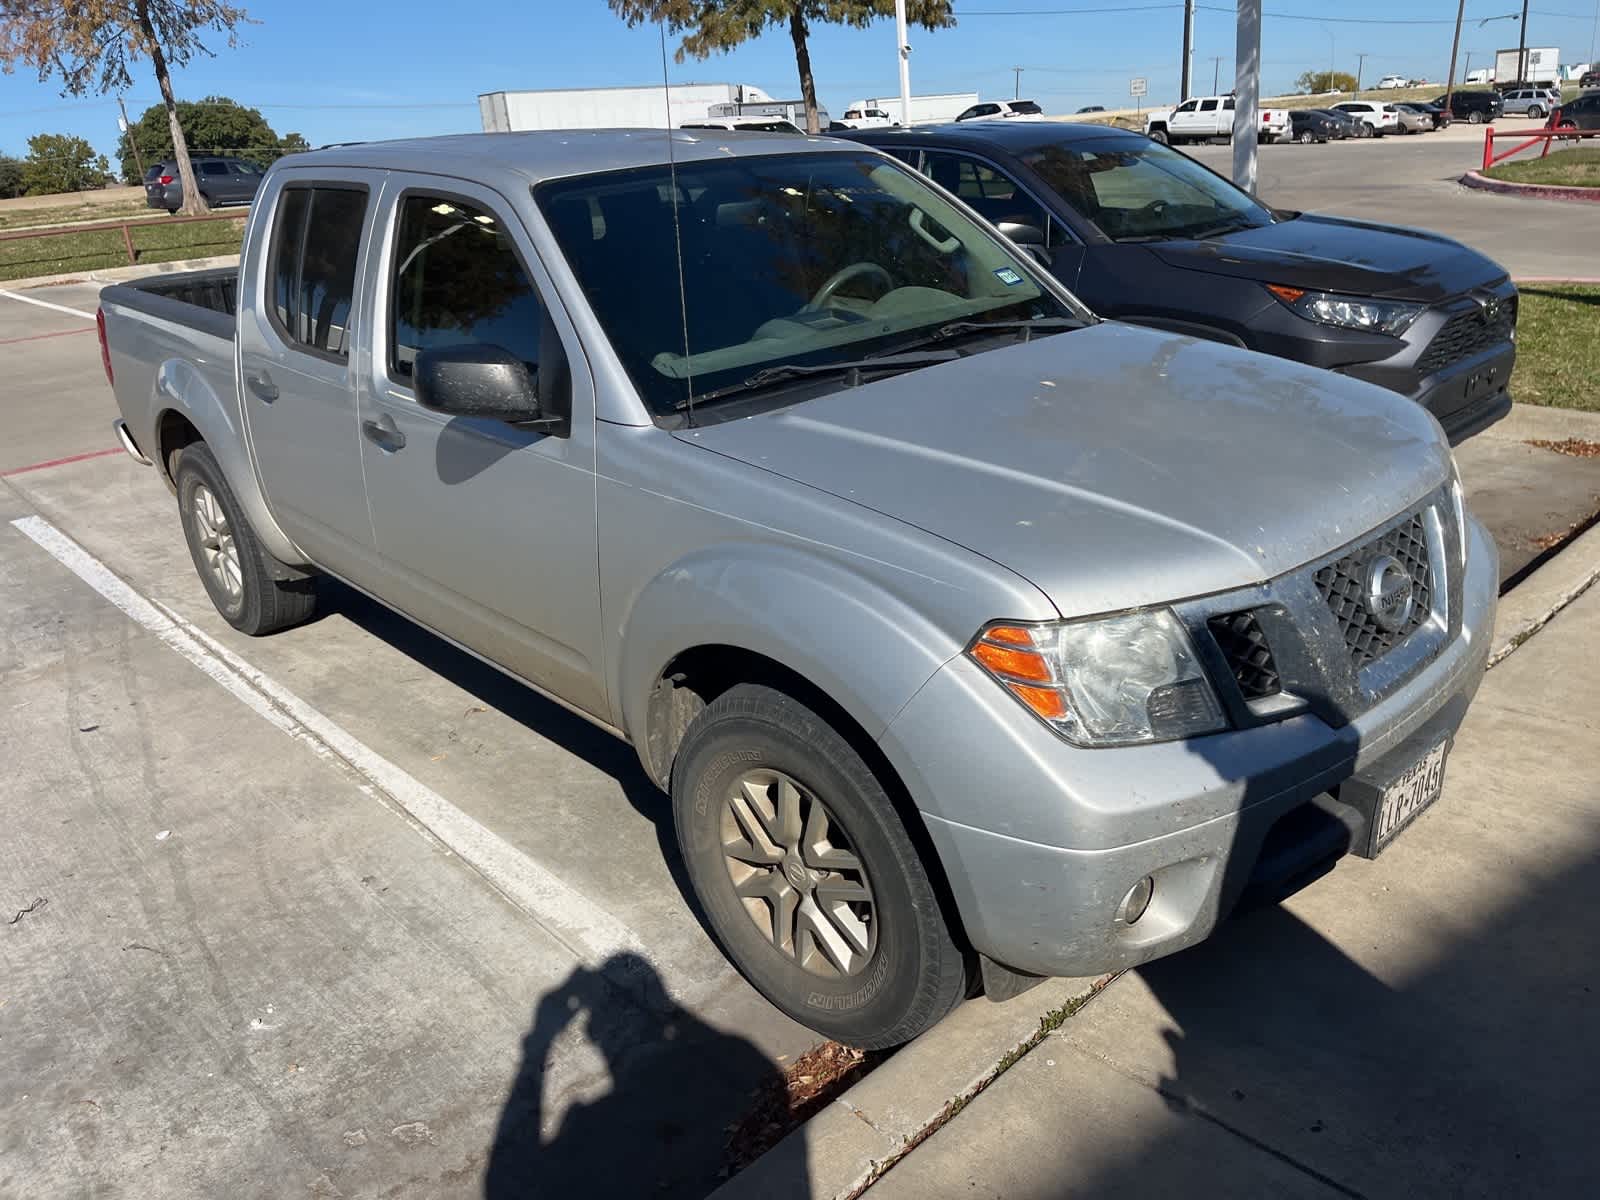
[[1234, 226], [782, 372], [1023, 328]]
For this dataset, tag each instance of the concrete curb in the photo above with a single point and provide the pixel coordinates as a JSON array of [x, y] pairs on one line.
[[1541, 191], [1529, 606], [122, 274], [855, 1139]]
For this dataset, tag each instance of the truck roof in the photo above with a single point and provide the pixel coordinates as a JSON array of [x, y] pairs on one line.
[[537, 155]]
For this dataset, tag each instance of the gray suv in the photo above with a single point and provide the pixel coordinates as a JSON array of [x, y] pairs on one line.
[[1532, 102], [222, 181]]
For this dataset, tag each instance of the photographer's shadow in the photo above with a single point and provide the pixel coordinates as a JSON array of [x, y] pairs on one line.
[[677, 1084]]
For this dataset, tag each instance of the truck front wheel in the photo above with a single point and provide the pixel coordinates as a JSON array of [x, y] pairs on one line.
[[807, 874], [253, 591], [1160, 135]]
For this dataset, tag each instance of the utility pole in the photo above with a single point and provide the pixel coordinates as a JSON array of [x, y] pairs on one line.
[[1522, 48], [1185, 88], [905, 62], [1016, 86], [1361, 62], [1216, 73], [1455, 46], [1246, 94], [132, 141]]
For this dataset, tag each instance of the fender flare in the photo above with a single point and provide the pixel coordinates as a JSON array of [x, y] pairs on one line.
[[863, 646], [181, 388]]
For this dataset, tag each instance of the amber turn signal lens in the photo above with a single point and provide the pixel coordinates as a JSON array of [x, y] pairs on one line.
[[1047, 702], [1011, 635], [1287, 294], [1017, 664]]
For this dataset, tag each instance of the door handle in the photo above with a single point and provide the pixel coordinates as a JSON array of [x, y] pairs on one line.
[[384, 433], [262, 386]]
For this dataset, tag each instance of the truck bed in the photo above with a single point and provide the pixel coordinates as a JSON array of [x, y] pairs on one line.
[[202, 300]]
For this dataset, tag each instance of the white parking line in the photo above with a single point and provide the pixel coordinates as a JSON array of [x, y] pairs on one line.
[[76, 312], [590, 932]]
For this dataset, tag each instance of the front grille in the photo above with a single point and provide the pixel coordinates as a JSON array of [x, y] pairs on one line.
[[1467, 333], [1343, 583], [1239, 637]]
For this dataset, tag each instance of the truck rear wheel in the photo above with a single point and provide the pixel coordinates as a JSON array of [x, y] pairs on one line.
[[808, 876], [254, 592]]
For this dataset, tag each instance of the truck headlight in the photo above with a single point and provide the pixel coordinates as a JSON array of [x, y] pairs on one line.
[[1349, 312], [1110, 681]]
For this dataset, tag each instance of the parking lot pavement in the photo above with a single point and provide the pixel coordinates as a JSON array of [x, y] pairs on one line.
[[1412, 181], [341, 910], [1416, 1026]]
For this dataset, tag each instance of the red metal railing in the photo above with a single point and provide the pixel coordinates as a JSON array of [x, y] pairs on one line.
[[127, 228], [1546, 135]]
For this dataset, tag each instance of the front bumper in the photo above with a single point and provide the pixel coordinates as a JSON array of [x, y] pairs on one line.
[[1040, 841]]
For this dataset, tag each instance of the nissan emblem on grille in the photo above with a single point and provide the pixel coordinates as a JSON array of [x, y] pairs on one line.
[[1388, 595]]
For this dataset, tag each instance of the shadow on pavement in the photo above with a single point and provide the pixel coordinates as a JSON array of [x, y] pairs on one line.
[[660, 1129]]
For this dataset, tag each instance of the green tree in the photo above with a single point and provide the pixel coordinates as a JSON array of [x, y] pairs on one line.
[[215, 125], [59, 162], [709, 26], [10, 177], [1318, 82], [90, 44]]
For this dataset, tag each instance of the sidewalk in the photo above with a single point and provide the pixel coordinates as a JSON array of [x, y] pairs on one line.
[[1416, 1026]]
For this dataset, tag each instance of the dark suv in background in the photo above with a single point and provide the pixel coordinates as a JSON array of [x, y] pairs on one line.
[[221, 181], [1581, 112], [1144, 234], [1474, 107]]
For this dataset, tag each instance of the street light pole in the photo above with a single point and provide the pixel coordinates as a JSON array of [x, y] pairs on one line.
[[1361, 62], [1455, 46], [1522, 48], [1016, 85], [905, 62], [132, 141], [1184, 86], [1216, 73], [1332, 56], [1246, 94]]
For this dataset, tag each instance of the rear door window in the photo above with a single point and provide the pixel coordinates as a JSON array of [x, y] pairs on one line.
[[312, 272], [457, 282], [213, 168], [1208, 106]]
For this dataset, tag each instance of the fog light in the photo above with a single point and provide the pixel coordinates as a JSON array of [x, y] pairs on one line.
[[1137, 901]]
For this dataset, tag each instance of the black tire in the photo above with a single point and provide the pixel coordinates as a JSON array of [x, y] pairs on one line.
[[1160, 135], [270, 595], [1535, 112], [172, 212], [914, 972], [1305, 137], [1475, 118]]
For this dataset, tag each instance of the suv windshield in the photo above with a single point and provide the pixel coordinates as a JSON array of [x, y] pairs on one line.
[[788, 261], [1141, 191]]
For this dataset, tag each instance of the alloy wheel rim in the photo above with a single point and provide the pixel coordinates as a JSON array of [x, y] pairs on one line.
[[217, 545], [796, 874]]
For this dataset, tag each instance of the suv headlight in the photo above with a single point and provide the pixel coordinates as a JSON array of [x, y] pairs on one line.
[[1110, 681], [1393, 317]]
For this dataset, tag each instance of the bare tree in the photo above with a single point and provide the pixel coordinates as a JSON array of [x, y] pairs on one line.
[[90, 45]]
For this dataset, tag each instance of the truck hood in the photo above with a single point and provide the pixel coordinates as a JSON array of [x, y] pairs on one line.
[[1113, 466], [1331, 254]]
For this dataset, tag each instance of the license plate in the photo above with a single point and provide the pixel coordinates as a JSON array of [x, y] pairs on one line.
[[1401, 802]]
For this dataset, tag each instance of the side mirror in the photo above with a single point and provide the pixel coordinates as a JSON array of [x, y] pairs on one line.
[[1021, 232], [480, 381]]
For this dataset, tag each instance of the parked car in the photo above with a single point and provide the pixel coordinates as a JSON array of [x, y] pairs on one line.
[[1378, 116], [221, 181], [1145, 234], [1409, 119], [1204, 117], [997, 110], [867, 118], [1346, 125], [1091, 108], [1306, 125], [1581, 112], [748, 124], [974, 638], [1439, 118], [1530, 102], [1589, 79], [1473, 106], [1393, 81]]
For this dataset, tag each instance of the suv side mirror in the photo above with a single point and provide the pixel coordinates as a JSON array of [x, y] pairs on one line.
[[481, 381]]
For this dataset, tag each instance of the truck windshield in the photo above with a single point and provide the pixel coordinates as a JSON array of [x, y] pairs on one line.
[[1143, 191], [796, 261]]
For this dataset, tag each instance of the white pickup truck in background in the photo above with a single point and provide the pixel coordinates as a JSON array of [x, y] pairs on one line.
[[1210, 117]]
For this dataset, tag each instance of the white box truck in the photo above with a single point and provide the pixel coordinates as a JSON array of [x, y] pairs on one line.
[[933, 109], [1543, 65], [649, 107]]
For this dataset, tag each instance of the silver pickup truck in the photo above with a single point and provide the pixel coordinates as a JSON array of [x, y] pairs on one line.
[[973, 638]]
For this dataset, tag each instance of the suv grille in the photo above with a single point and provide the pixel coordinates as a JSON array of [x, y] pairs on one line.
[[1244, 645], [1343, 582], [1467, 333]]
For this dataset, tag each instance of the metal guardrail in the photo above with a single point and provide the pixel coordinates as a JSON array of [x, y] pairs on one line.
[[1546, 135], [127, 227]]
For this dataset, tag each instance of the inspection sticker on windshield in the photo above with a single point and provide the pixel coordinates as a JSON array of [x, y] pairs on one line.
[[1008, 277]]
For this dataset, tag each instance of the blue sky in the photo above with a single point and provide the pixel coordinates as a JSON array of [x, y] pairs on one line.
[[345, 70]]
